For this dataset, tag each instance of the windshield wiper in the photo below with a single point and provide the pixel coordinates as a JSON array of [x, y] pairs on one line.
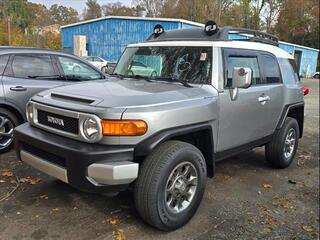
[[121, 76], [47, 76], [173, 79], [131, 76], [148, 79]]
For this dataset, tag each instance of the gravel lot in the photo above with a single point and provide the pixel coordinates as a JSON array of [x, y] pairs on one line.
[[236, 204]]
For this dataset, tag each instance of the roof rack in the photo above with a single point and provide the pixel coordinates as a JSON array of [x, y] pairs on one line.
[[211, 32], [251, 35]]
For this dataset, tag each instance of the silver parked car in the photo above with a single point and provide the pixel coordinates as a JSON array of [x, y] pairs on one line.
[[26, 71], [211, 98]]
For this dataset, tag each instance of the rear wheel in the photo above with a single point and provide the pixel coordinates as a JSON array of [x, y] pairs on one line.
[[281, 151], [316, 76], [170, 185], [8, 121]]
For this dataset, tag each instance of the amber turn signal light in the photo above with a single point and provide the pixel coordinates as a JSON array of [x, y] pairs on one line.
[[123, 127]]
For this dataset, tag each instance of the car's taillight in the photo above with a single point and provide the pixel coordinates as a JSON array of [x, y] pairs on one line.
[[305, 90]]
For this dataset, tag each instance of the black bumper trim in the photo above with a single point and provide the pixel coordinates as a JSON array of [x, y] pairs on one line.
[[73, 155]]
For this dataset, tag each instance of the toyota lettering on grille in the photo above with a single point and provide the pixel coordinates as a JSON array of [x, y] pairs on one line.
[[55, 120]]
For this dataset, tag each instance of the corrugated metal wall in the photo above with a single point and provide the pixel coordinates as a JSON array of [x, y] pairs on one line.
[[107, 38], [308, 60]]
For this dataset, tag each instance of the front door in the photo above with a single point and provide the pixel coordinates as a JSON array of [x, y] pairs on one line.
[[28, 74], [242, 121]]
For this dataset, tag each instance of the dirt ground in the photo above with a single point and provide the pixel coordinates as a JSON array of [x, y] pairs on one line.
[[237, 204]]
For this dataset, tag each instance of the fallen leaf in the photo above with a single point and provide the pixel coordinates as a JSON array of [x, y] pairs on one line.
[[7, 174], [292, 182], [113, 221], [267, 185], [44, 197], [55, 209], [30, 181], [2, 181], [119, 234], [35, 181], [307, 228]]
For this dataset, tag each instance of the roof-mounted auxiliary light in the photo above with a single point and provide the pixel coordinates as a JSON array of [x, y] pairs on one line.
[[211, 28], [158, 30]]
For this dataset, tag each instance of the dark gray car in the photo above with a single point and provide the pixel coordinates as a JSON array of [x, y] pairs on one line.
[[26, 71]]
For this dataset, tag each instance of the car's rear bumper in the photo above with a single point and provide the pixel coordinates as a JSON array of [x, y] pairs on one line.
[[88, 167]]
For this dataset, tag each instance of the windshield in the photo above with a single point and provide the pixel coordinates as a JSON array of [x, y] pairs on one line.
[[189, 64]]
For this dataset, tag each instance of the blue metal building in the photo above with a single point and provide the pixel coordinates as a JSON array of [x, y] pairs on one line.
[[107, 37]]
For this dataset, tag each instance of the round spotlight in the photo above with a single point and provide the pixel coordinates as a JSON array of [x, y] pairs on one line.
[[158, 30], [211, 28]]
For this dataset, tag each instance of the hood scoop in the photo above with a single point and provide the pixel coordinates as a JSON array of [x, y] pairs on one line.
[[74, 99]]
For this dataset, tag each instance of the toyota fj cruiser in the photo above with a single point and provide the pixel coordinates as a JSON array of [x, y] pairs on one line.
[[208, 97]]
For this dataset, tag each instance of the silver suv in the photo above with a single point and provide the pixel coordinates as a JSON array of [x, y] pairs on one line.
[[209, 99], [27, 71]]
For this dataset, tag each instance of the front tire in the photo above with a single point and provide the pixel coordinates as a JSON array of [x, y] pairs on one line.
[[8, 121], [281, 151], [170, 185]]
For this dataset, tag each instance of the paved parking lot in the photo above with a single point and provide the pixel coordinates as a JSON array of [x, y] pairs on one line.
[[246, 200]]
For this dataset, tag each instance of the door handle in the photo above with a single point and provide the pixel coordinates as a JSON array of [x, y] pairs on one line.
[[18, 89], [263, 99]]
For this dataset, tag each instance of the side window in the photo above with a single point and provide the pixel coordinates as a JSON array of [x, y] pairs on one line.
[[96, 59], [270, 69], [295, 69], [3, 63], [248, 62], [31, 66], [288, 71], [75, 70]]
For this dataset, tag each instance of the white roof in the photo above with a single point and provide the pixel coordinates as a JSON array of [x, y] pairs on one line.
[[135, 18], [278, 52]]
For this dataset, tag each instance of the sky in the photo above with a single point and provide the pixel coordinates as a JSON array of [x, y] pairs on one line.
[[79, 5]]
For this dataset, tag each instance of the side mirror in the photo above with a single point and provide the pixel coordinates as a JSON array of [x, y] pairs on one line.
[[241, 78]]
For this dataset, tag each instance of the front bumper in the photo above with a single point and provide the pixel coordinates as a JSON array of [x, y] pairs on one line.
[[88, 167]]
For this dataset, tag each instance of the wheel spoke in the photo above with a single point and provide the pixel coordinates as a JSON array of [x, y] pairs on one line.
[[181, 187], [3, 122], [7, 135]]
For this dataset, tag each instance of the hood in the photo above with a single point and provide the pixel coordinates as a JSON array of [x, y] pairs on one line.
[[127, 93]]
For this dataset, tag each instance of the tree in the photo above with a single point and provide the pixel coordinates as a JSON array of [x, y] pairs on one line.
[[298, 22], [62, 15], [270, 14], [40, 15], [117, 9], [152, 7], [93, 10]]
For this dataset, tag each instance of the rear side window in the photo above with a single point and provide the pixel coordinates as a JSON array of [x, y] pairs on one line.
[[288, 71], [3, 63], [270, 69], [247, 62], [27, 66]]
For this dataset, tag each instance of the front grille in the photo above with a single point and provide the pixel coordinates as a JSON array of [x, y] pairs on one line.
[[60, 122]]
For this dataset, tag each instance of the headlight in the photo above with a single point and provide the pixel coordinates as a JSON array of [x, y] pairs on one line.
[[29, 112], [92, 129]]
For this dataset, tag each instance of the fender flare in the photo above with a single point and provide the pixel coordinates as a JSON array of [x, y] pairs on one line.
[[145, 147], [12, 106]]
